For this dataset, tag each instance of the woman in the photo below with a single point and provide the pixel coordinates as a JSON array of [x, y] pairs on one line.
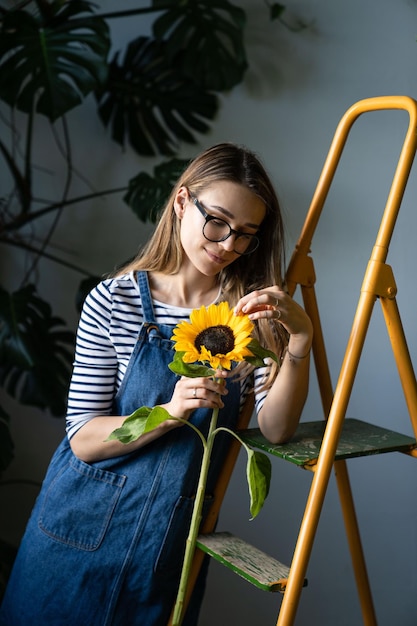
[[105, 541]]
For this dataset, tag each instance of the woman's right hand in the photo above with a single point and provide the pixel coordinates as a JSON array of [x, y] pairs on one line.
[[194, 393], [90, 443]]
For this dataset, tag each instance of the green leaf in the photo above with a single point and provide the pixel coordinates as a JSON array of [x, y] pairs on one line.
[[147, 195], [84, 288], [6, 442], [141, 421], [36, 351], [12, 345], [205, 38], [22, 186], [276, 10], [150, 103], [191, 370], [50, 61], [259, 354], [258, 473]]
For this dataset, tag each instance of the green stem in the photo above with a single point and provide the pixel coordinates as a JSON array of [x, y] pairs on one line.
[[195, 522], [235, 435], [195, 429]]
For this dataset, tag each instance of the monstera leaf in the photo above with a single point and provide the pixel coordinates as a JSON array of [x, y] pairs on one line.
[[205, 39], [50, 61], [84, 288], [35, 362], [150, 103], [6, 442], [146, 194]]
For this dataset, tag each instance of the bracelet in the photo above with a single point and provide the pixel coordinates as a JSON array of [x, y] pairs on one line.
[[294, 356]]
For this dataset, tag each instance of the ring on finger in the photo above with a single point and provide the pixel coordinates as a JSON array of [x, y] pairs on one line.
[[278, 312], [194, 392]]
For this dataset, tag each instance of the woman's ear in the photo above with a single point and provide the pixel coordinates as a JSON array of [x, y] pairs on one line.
[[181, 199]]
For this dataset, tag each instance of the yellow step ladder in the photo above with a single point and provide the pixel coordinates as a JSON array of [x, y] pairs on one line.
[[327, 444]]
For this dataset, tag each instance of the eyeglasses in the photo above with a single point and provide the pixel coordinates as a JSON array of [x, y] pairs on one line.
[[215, 229]]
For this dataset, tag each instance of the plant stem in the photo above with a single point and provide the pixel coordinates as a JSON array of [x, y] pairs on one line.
[[195, 522], [46, 255]]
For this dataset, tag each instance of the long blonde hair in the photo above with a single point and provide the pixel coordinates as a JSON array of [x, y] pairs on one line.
[[264, 267]]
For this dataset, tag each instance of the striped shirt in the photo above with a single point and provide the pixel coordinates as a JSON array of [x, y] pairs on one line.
[[107, 333]]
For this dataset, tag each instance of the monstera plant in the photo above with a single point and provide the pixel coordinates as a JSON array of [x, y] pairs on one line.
[[156, 94]]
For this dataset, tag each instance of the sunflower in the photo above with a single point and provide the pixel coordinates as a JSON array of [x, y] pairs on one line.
[[214, 335]]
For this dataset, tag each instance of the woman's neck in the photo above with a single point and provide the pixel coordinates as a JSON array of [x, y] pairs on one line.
[[179, 291]]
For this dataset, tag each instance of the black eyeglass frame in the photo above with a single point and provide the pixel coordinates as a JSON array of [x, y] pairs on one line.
[[232, 231]]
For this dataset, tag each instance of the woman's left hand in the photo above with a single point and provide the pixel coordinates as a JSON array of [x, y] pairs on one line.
[[280, 413], [275, 303]]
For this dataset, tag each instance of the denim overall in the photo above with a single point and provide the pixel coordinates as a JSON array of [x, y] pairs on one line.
[[105, 542]]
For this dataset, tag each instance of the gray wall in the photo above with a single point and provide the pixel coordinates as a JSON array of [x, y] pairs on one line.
[[297, 89]]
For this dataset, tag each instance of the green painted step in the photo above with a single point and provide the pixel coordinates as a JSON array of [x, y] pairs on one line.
[[358, 438], [255, 566]]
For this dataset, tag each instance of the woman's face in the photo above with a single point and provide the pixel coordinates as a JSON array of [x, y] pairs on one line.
[[233, 203]]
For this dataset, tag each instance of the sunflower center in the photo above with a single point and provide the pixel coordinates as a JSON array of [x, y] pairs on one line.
[[218, 339]]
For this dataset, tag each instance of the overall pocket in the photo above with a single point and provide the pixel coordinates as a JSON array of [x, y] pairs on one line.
[[171, 554], [79, 503]]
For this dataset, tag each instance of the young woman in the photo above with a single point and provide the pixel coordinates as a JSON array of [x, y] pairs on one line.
[[105, 542]]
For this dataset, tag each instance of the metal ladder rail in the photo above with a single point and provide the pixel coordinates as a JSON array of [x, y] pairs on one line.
[[378, 283], [301, 271]]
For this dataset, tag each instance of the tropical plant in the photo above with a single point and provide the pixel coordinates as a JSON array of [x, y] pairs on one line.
[[159, 92]]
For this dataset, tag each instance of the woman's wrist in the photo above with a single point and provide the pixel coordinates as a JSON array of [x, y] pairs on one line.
[[298, 350], [297, 357]]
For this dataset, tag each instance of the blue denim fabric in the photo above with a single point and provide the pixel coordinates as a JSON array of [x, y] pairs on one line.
[[105, 542]]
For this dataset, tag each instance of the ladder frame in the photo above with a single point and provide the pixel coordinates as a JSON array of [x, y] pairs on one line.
[[378, 283]]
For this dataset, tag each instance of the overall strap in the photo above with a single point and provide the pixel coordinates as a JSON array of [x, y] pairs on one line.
[[145, 294]]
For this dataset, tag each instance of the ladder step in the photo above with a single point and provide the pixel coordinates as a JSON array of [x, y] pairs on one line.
[[357, 439], [255, 566]]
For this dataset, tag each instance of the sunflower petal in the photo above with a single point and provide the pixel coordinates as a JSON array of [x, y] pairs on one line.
[[201, 321]]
